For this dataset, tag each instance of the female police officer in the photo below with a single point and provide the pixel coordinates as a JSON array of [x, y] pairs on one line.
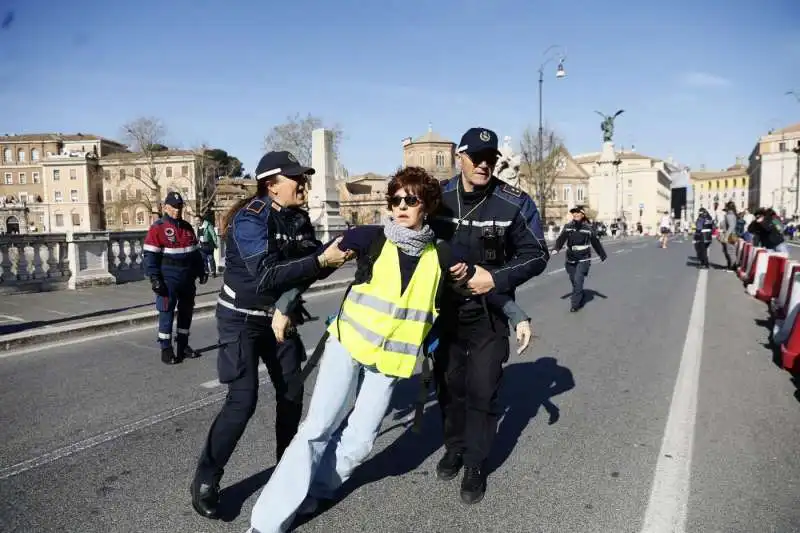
[[262, 262]]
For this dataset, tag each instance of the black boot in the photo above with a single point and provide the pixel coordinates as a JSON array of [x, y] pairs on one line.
[[205, 498], [185, 351], [168, 356], [449, 465], [473, 485]]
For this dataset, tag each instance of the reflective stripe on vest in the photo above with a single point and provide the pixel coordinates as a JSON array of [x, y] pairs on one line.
[[383, 328]]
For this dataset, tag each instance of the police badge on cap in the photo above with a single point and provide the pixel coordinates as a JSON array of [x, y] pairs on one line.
[[174, 199]]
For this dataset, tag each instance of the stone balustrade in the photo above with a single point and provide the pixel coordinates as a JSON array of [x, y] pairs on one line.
[[37, 262]]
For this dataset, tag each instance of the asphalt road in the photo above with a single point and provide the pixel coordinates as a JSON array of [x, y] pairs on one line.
[[677, 413]]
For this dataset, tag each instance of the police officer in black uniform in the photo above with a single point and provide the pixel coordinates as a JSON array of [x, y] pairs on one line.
[[580, 238], [271, 256], [497, 228]]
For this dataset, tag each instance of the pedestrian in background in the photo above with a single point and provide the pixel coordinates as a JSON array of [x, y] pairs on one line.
[[173, 263], [207, 237]]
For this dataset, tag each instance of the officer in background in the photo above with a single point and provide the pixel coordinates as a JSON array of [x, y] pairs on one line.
[[703, 235], [496, 227], [173, 262], [580, 238], [271, 256]]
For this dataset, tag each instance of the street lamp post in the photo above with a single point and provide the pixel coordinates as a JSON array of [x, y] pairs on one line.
[[796, 150], [560, 73]]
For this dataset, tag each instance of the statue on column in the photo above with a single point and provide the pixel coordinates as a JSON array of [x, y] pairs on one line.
[[607, 126]]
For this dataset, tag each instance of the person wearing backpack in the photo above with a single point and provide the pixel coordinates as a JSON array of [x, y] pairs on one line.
[[383, 325]]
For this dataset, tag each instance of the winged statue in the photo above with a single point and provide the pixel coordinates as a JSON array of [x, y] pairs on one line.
[[608, 124]]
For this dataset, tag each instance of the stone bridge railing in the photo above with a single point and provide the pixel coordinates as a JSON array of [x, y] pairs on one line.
[[52, 261]]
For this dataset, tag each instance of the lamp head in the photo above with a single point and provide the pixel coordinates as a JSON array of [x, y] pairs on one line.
[[560, 72]]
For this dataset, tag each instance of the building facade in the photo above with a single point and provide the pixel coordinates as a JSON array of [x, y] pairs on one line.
[[713, 189], [432, 152], [362, 199], [773, 168], [51, 181], [634, 187]]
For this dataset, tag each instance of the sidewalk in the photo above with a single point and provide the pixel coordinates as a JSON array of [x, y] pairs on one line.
[[51, 315]]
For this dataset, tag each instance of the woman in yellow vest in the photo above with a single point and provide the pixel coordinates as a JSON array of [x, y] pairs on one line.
[[380, 330]]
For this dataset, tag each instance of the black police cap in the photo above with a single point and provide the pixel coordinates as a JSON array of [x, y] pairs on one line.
[[280, 163], [478, 140]]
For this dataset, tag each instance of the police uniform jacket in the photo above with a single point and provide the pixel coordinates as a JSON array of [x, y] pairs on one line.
[[268, 252], [171, 252], [704, 229], [502, 233], [580, 238]]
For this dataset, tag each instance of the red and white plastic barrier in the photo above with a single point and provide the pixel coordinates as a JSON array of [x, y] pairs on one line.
[[769, 285], [744, 259], [759, 273], [749, 272]]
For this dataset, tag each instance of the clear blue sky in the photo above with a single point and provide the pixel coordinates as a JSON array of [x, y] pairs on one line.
[[699, 80]]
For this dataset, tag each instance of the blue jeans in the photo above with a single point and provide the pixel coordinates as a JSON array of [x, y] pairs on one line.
[[324, 454], [782, 248]]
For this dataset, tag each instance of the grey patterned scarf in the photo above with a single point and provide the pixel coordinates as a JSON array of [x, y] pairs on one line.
[[410, 242]]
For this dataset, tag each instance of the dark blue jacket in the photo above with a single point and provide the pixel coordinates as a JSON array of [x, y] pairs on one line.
[[503, 233], [704, 228], [266, 256], [171, 252]]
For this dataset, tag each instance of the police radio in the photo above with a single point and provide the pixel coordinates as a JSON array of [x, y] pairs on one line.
[[492, 238]]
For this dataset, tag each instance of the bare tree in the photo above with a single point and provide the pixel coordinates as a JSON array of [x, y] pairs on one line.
[[204, 180], [539, 167], [146, 135], [294, 135]]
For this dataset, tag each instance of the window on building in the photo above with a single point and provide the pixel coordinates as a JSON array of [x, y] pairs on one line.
[[23, 178], [7, 155], [567, 192], [440, 159], [185, 171], [106, 174], [138, 194], [36, 178], [137, 173], [73, 195], [354, 218], [123, 195], [126, 219], [73, 173], [376, 217], [56, 175], [110, 220], [9, 179], [421, 158], [169, 172], [630, 201], [21, 155], [140, 218], [23, 197], [34, 155], [76, 219], [580, 194], [59, 220], [630, 183], [58, 197], [781, 147], [109, 195], [734, 183]]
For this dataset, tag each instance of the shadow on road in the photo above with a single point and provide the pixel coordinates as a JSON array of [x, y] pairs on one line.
[[526, 387], [232, 498], [588, 296]]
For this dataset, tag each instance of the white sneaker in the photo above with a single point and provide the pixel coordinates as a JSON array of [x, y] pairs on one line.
[[309, 506]]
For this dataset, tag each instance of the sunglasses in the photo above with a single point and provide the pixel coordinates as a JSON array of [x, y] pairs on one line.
[[411, 201], [490, 157]]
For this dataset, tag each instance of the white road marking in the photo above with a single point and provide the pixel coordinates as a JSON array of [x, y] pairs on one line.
[[669, 496], [6, 319], [62, 313]]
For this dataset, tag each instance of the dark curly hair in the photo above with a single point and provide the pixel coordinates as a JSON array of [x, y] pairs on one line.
[[416, 181]]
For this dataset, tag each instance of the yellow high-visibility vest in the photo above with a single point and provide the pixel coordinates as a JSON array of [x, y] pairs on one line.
[[383, 328]]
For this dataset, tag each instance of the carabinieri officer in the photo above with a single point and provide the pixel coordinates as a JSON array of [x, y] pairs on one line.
[[173, 262], [265, 271], [496, 227], [579, 236]]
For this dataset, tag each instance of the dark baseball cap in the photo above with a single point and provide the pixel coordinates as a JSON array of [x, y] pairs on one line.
[[578, 209], [174, 199], [478, 140], [281, 163]]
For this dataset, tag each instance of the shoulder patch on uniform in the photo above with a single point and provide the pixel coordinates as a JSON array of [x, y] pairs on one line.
[[510, 189], [256, 206]]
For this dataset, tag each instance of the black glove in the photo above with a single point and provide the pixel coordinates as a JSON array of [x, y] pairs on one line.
[[158, 285], [603, 259], [203, 278]]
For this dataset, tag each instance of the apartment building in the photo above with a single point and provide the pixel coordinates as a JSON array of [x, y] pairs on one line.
[[774, 171], [713, 189]]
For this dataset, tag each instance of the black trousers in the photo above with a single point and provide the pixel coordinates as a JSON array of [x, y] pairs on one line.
[[249, 340], [468, 368], [577, 273], [702, 252]]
